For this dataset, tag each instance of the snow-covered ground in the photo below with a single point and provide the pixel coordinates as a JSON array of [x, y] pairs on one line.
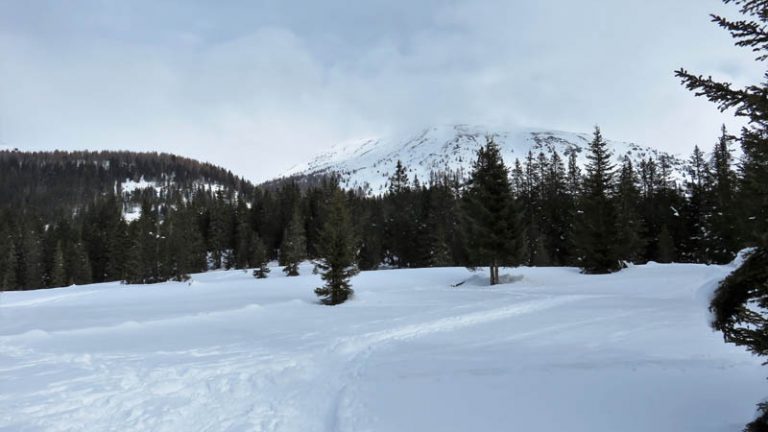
[[553, 351]]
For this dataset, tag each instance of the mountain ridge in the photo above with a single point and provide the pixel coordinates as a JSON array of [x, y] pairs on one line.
[[367, 163]]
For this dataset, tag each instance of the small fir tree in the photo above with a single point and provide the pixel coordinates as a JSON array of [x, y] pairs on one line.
[[338, 251]]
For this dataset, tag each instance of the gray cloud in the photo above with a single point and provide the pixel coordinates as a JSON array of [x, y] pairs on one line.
[[258, 86]]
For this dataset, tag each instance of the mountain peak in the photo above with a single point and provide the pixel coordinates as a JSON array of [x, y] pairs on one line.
[[367, 163]]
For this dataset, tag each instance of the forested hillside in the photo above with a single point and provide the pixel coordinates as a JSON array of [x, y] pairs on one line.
[[52, 182]]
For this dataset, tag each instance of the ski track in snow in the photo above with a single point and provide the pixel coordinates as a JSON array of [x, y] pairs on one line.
[[300, 380], [187, 386]]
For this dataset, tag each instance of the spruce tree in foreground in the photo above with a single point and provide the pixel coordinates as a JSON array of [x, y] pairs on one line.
[[596, 229], [492, 225], [338, 252], [740, 304], [294, 247]]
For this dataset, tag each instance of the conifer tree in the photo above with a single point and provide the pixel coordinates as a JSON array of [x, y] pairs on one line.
[[10, 272], [574, 174], [294, 248], [338, 252], [400, 230], [596, 230], [32, 260], [493, 230], [259, 258], [628, 223], [244, 235], [58, 276], [220, 233], [739, 304], [695, 211], [722, 221], [556, 212], [134, 270], [398, 182], [118, 246], [530, 205], [665, 247], [81, 270]]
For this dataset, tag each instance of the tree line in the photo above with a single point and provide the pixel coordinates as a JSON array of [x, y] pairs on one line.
[[540, 211]]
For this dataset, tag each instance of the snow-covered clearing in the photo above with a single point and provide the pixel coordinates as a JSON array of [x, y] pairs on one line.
[[554, 351]]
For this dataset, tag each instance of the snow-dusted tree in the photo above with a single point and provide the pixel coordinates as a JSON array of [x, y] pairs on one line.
[[492, 228], [338, 252]]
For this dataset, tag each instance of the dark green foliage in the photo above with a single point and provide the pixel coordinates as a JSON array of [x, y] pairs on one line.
[[760, 424], [80, 266], [740, 303], [10, 273], [58, 276], [221, 232], [259, 258], [338, 252], [665, 246], [722, 219], [294, 246], [557, 212], [49, 182], [401, 213], [492, 220], [629, 241], [694, 246], [596, 229]]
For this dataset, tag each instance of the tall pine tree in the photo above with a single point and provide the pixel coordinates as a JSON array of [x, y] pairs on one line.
[[492, 228], [596, 229]]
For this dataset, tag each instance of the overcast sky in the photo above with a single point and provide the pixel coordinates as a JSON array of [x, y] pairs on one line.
[[258, 86]]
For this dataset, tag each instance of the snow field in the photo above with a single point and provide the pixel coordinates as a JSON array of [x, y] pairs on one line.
[[555, 350]]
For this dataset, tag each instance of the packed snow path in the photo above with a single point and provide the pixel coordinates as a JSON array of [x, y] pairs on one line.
[[553, 351]]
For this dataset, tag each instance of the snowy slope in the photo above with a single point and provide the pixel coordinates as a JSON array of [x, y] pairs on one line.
[[367, 163], [554, 351]]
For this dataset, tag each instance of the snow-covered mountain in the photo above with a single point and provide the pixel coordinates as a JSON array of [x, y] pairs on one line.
[[368, 163]]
